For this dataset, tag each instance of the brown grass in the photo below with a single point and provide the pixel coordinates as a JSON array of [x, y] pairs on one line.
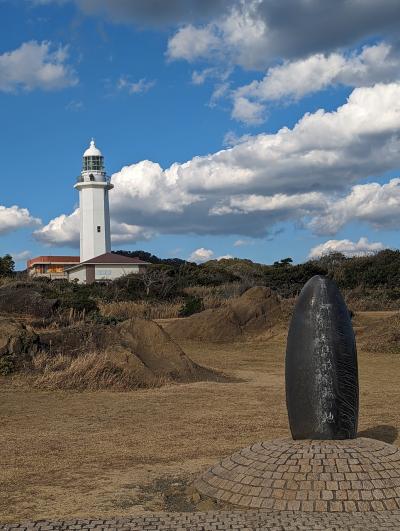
[[216, 296], [142, 309], [378, 331], [96, 454], [92, 371]]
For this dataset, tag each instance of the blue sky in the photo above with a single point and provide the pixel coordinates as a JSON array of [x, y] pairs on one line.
[[174, 83]]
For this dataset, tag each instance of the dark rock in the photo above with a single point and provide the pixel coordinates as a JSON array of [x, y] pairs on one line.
[[18, 344], [321, 365], [26, 300]]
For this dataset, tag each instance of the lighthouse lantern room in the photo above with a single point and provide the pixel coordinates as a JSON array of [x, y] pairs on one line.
[[93, 185]]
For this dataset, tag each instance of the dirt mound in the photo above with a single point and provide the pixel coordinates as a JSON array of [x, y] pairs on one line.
[[156, 350], [256, 310], [383, 336], [79, 339], [25, 299], [134, 353], [17, 344]]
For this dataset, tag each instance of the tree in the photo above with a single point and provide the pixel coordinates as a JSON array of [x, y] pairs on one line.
[[7, 265], [285, 262]]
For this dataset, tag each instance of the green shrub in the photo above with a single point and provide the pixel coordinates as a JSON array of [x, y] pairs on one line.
[[7, 365], [100, 319], [191, 305]]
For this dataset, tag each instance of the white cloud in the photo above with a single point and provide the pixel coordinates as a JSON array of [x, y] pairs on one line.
[[242, 242], [75, 106], [60, 231], [225, 257], [21, 256], [200, 76], [374, 203], [135, 87], [125, 233], [254, 33], [14, 218], [301, 174], [191, 43], [244, 204], [346, 247], [201, 255], [377, 63], [36, 66], [247, 111], [237, 37], [64, 231]]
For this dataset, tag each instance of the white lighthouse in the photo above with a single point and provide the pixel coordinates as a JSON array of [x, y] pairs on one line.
[[93, 185]]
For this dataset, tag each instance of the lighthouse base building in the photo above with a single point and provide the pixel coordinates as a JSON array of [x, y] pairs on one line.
[[96, 261]]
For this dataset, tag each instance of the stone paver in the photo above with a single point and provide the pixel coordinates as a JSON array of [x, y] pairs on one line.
[[355, 475], [227, 520]]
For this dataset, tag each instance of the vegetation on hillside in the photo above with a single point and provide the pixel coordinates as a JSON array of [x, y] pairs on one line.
[[7, 265], [368, 282]]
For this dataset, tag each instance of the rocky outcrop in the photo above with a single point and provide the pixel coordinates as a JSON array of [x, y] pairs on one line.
[[18, 343], [26, 299], [256, 310]]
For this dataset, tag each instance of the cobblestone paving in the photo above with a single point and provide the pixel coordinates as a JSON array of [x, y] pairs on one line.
[[233, 520], [326, 476]]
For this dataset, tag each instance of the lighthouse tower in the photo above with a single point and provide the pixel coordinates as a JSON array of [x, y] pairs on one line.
[[93, 185]]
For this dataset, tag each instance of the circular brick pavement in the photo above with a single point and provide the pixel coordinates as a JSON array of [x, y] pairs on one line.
[[324, 476], [225, 520]]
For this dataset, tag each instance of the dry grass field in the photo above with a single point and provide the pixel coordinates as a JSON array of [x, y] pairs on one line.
[[93, 454]]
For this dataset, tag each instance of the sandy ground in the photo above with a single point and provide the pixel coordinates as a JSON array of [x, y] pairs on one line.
[[66, 454]]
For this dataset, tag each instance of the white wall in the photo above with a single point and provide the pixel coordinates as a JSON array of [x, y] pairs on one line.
[[94, 212], [111, 272], [104, 272], [78, 274]]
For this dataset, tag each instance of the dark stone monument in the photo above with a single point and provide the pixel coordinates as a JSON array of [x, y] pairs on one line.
[[321, 365], [302, 475]]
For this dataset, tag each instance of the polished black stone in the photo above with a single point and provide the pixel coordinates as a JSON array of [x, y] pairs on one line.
[[321, 365]]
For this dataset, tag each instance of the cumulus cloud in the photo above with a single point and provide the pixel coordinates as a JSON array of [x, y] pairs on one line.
[[237, 37], [192, 43], [21, 256], [247, 111], [64, 231], [346, 247], [254, 33], [303, 174], [60, 231], [135, 87], [201, 255], [14, 218], [301, 204], [126, 233], [374, 203], [377, 63], [36, 66]]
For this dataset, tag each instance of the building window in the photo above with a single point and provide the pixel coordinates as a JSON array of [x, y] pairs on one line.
[[98, 228]]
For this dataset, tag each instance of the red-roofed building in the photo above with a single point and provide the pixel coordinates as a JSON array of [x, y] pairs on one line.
[[53, 267], [107, 266]]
